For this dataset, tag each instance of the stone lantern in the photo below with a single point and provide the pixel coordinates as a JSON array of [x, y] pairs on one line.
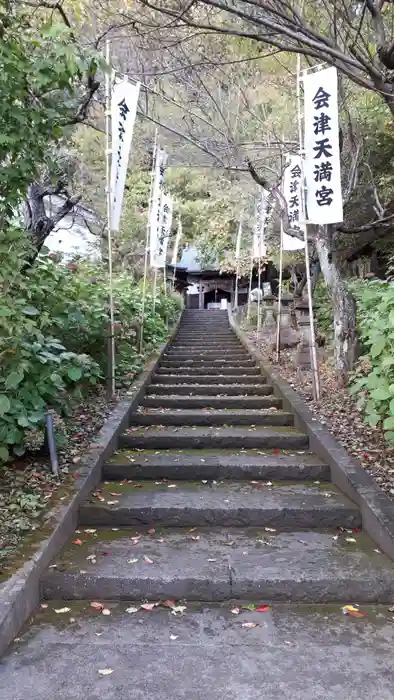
[[302, 356], [288, 336]]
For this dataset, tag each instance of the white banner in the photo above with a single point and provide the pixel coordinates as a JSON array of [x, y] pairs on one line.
[[165, 221], [293, 194], [155, 210], [176, 244], [123, 112], [259, 249], [322, 156], [238, 244]]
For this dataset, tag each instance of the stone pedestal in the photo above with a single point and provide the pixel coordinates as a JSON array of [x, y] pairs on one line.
[[302, 358], [288, 336], [268, 320]]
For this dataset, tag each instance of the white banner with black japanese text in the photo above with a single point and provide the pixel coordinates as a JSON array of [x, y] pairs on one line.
[[293, 195], [165, 221], [322, 156], [124, 102], [238, 243], [259, 249], [176, 244], [155, 210]]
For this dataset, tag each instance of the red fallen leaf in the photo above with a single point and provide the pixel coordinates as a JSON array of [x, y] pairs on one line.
[[356, 529], [97, 606], [262, 608], [148, 606], [123, 482], [276, 452], [169, 604], [151, 531], [147, 560], [75, 476], [77, 542], [356, 613], [106, 554]]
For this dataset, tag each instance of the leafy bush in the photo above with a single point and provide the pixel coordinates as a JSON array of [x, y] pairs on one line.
[[374, 378], [322, 308], [53, 336]]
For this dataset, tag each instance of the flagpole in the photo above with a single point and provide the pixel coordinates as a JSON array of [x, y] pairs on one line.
[[152, 177], [250, 284], [279, 292], [312, 340], [237, 254], [111, 386], [258, 297]]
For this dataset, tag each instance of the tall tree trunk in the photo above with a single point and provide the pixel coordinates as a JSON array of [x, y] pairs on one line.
[[344, 310]]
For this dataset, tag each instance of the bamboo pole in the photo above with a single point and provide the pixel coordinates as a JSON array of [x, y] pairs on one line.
[[152, 177], [250, 286], [312, 340], [279, 292], [111, 378]]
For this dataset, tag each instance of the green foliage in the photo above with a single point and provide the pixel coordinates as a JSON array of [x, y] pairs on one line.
[[53, 331], [40, 88], [374, 378], [323, 311]]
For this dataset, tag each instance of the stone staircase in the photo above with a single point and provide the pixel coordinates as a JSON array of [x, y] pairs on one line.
[[214, 496]]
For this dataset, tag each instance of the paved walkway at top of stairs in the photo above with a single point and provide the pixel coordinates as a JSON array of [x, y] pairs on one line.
[[214, 498]]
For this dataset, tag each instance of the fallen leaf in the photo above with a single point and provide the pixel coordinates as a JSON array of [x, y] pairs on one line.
[[91, 557], [132, 610], [269, 529], [112, 503], [98, 634], [192, 529], [173, 637], [195, 537], [151, 531], [79, 542], [132, 561], [105, 671], [44, 606], [90, 531], [249, 625], [204, 481], [178, 609], [97, 606], [148, 606], [211, 560], [235, 611], [353, 611], [60, 611], [169, 604], [105, 611], [229, 544], [172, 486], [147, 560], [115, 494], [262, 608], [350, 539]]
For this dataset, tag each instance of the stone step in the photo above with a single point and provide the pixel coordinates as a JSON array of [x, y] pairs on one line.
[[211, 389], [208, 363], [243, 416], [309, 567], [181, 357], [153, 438], [212, 402], [215, 465], [201, 353], [207, 379], [217, 370], [225, 504], [301, 652]]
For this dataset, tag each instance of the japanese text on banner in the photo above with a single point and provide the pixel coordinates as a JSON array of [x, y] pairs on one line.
[[322, 155], [123, 112], [176, 245], [293, 194], [165, 221], [155, 212]]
